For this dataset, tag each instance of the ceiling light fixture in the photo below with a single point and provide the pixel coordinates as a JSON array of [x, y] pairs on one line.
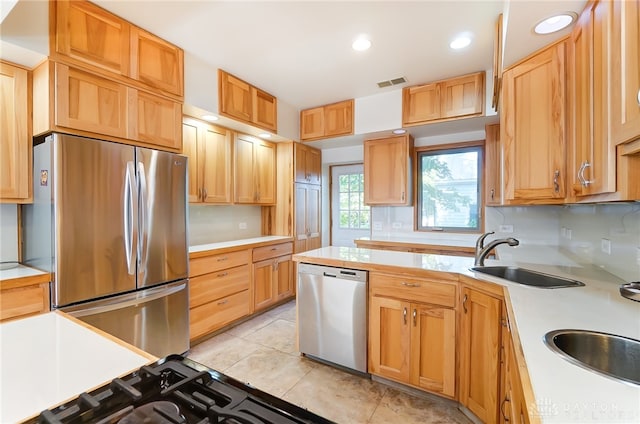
[[554, 23], [399, 131], [210, 118], [460, 42], [361, 44]]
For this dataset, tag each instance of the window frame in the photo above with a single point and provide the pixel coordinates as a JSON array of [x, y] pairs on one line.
[[449, 148]]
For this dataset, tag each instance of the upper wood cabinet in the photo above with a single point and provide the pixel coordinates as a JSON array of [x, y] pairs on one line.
[[533, 132], [592, 161], [388, 171], [241, 101], [492, 166], [87, 35], [307, 164], [15, 134], [443, 100], [331, 120], [208, 148], [625, 73], [255, 171]]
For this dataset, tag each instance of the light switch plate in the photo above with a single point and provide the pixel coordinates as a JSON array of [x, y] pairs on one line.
[[605, 246], [242, 225], [506, 228]]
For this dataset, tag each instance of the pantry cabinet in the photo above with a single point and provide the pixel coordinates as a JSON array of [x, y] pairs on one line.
[[273, 277], [255, 171], [208, 148], [388, 171], [445, 100], [412, 332], [241, 101], [15, 134], [479, 350], [533, 130], [307, 226], [326, 121]]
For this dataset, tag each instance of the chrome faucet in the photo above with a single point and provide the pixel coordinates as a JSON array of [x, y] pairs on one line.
[[482, 251]]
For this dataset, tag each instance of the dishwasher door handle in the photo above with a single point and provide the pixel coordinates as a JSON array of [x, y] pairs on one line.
[[326, 274]]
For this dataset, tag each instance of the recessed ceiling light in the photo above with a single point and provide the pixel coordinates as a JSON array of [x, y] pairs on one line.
[[399, 131], [264, 135], [209, 117], [361, 44], [554, 23], [460, 42]]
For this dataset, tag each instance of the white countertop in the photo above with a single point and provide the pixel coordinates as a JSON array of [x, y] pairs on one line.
[[564, 393], [48, 358], [234, 243], [19, 271]]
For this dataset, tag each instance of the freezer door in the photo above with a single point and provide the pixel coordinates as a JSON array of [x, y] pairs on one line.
[[162, 210], [155, 320], [94, 207]]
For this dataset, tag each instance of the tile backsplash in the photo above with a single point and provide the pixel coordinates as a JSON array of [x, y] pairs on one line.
[[8, 232], [212, 224]]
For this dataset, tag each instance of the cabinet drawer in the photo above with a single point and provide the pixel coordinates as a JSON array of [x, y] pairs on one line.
[[214, 315], [413, 289], [272, 251], [24, 301], [217, 262], [209, 287]]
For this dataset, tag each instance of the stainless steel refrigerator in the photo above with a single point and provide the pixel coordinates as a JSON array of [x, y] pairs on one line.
[[109, 222]]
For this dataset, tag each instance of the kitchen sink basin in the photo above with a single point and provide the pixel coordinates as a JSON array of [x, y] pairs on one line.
[[527, 277], [613, 356]]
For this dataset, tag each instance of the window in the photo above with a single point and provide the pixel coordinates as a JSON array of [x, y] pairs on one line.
[[353, 212], [449, 182]]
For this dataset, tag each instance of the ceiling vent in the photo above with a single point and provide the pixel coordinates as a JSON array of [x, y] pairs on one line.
[[389, 83]]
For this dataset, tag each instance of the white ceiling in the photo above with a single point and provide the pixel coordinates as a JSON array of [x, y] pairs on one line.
[[300, 51]]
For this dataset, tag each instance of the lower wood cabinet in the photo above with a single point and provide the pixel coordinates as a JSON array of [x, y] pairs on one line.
[[272, 275], [513, 408], [22, 297], [410, 341]]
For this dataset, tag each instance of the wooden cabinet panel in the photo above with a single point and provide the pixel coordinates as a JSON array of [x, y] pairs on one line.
[[265, 109], [90, 103], [24, 301], [533, 128], [264, 284], [327, 121], [190, 150], [87, 33], [255, 171], [307, 217], [272, 251], [308, 164], [462, 96], [312, 123], [244, 181], [235, 97], [479, 351], [388, 171], [156, 63], [420, 104], [272, 274], [214, 315], [625, 71], [154, 120], [285, 280], [414, 289], [15, 134], [213, 263], [215, 285], [493, 165], [265, 179], [389, 338]]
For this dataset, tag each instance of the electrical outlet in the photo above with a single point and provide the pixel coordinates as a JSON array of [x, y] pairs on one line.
[[377, 226], [396, 225], [506, 229], [638, 255], [242, 225], [563, 232], [569, 234], [605, 246]]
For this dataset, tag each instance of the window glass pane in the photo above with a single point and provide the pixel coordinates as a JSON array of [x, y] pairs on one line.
[[344, 201], [449, 184], [353, 212], [344, 219], [344, 183]]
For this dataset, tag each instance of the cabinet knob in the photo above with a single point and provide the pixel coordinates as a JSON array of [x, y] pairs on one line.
[[464, 303], [204, 194], [402, 197], [415, 317], [404, 315], [638, 97], [504, 415], [493, 193]]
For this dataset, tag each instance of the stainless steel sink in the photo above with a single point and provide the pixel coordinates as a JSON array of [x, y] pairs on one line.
[[613, 356], [528, 277]]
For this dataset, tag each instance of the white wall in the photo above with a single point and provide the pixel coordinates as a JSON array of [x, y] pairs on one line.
[[8, 233], [212, 224]]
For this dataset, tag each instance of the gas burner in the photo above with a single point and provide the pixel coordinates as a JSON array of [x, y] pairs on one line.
[[178, 390]]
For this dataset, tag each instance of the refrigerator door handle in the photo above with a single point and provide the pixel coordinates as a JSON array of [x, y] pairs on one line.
[[128, 217], [143, 236], [122, 302]]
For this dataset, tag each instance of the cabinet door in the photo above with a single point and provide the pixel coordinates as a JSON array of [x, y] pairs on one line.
[[338, 119], [264, 284], [15, 134], [308, 164], [420, 104], [389, 338], [533, 128], [244, 160], [479, 354], [190, 150], [90, 103], [265, 109], [235, 97], [154, 120], [387, 171], [284, 277], [462, 96], [307, 217], [433, 348], [156, 62], [216, 164], [493, 165], [625, 71], [265, 172], [312, 123], [92, 35]]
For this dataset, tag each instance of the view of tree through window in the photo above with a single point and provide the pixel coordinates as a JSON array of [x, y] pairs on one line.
[[353, 212], [449, 189]]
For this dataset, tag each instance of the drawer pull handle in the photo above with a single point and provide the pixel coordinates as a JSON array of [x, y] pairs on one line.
[[404, 283], [274, 248], [404, 315], [504, 415], [223, 274], [415, 315], [464, 303], [223, 302], [222, 259]]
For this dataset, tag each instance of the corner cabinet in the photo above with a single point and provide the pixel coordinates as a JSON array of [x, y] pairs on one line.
[[208, 148], [255, 171], [327, 121], [388, 171], [412, 332], [533, 130], [15, 134]]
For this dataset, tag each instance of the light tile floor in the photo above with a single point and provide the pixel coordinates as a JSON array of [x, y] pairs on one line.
[[262, 352]]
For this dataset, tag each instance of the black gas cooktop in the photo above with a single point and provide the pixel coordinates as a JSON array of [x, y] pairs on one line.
[[177, 390]]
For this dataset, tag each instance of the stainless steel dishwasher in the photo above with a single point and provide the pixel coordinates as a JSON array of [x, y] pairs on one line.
[[332, 315]]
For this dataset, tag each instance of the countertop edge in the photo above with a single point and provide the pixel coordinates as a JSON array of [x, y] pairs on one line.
[[201, 250]]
